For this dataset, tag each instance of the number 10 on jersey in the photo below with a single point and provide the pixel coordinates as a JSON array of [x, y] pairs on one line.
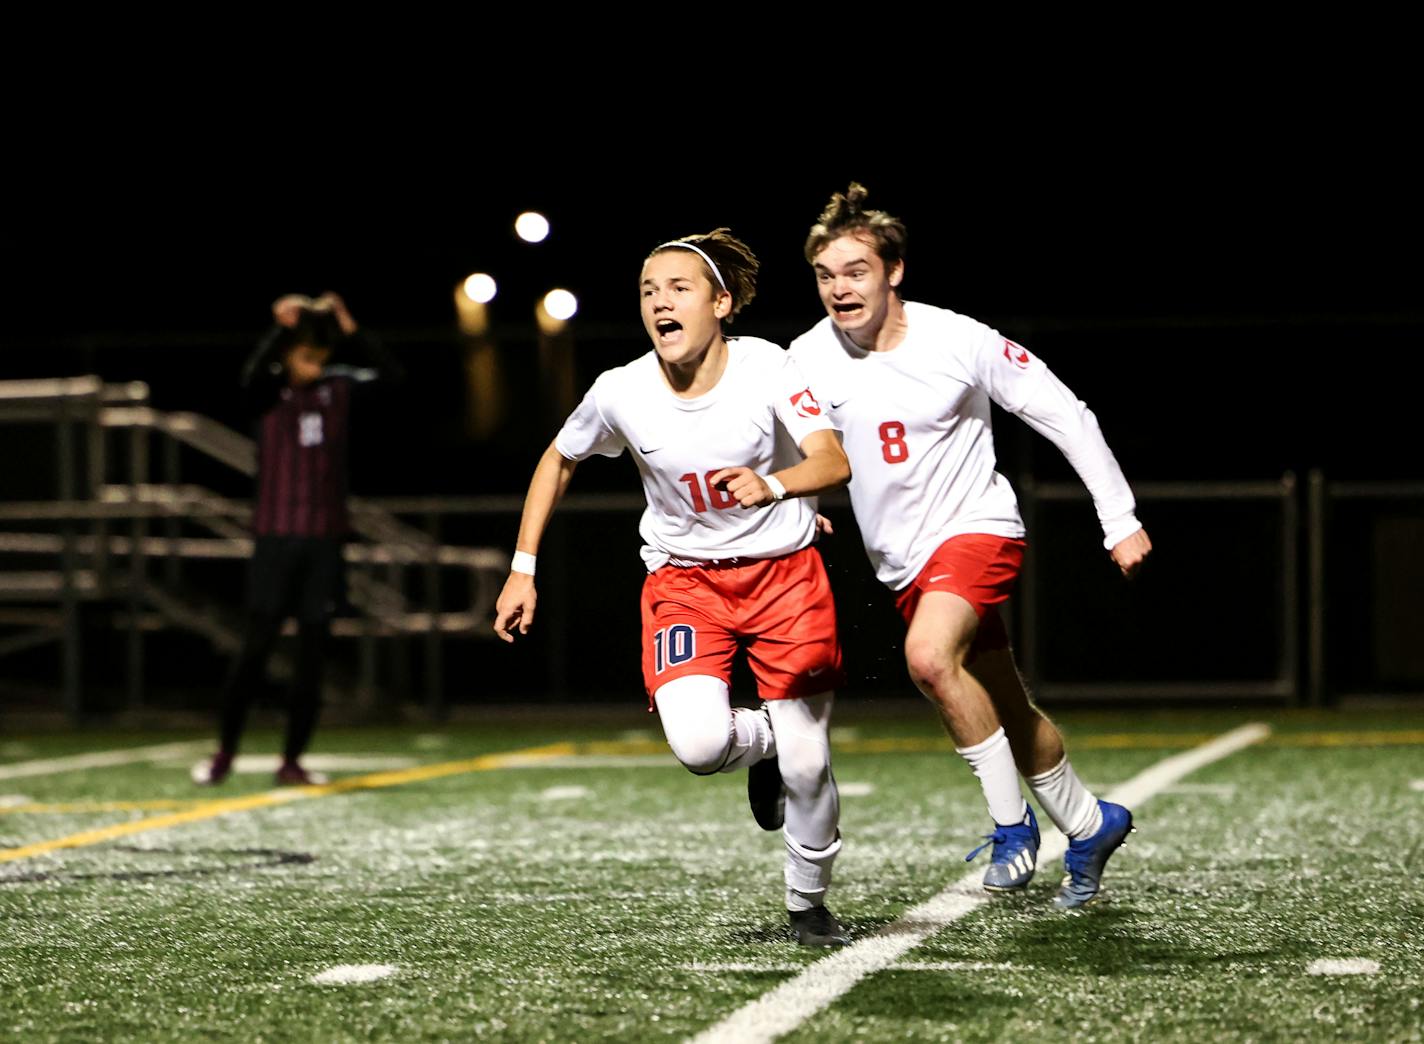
[[721, 499], [673, 645]]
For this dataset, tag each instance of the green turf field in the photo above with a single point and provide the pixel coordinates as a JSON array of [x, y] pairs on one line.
[[546, 883]]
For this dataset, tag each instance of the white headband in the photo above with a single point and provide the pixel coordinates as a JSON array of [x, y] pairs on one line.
[[702, 254]]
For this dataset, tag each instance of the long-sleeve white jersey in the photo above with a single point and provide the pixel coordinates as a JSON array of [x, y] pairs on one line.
[[916, 429], [756, 416]]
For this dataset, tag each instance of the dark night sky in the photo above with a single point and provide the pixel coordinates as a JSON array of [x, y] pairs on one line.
[[1247, 288]]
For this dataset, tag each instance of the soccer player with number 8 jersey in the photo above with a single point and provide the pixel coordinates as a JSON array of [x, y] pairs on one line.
[[909, 387], [729, 440]]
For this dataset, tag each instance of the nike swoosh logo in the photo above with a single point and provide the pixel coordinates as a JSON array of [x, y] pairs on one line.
[[814, 671], [942, 576], [838, 405], [646, 451]]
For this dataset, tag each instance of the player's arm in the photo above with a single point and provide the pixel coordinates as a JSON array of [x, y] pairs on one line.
[[264, 373], [515, 605], [1056, 413], [824, 468]]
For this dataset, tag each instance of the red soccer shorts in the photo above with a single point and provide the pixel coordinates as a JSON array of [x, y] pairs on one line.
[[779, 609], [979, 568]]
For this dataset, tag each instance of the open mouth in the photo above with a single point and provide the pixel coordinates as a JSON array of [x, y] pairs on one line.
[[667, 327], [848, 310]]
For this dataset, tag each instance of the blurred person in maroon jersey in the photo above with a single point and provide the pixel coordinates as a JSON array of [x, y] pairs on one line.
[[301, 383]]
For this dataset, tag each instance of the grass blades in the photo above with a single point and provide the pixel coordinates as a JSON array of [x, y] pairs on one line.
[[611, 895]]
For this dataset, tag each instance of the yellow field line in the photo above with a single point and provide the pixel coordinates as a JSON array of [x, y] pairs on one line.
[[536, 755], [1371, 738], [271, 798]]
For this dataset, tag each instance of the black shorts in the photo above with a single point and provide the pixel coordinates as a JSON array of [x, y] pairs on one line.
[[303, 577]]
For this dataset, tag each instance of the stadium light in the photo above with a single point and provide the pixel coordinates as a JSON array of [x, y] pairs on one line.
[[532, 226], [481, 288], [561, 305]]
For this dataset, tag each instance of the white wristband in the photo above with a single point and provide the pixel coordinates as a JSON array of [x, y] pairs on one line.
[[778, 491], [522, 562]]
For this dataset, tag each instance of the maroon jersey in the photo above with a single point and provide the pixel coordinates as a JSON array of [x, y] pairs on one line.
[[302, 461]]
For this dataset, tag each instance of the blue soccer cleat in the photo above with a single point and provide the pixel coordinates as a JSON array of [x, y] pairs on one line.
[[1015, 855], [1086, 858]]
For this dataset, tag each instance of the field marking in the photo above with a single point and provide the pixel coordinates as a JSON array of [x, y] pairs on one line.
[[1370, 738], [573, 761], [1343, 966], [1416, 784], [736, 966], [348, 974], [271, 798], [13, 800], [943, 966], [99, 759], [571, 793], [267, 764], [786, 1007], [855, 789]]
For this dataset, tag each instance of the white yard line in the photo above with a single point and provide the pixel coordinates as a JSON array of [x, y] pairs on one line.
[[786, 1007], [564, 793], [351, 974], [855, 789], [266, 764], [1343, 966], [737, 966], [571, 761], [100, 759]]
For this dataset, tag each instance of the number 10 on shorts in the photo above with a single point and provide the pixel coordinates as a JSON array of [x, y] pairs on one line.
[[673, 645]]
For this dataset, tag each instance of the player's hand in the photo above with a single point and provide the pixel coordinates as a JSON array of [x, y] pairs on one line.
[[515, 606], [749, 488], [823, 525], [333, 300], [288, 309], [1130, 552]]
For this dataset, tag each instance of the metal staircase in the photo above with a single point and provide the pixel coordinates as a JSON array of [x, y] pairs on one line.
[[132, 543]]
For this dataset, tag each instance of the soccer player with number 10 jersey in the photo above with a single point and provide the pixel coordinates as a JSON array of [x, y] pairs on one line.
[[729, 440]]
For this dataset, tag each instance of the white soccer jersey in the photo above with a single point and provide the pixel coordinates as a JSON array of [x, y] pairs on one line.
[[916, 429], [757, 415]]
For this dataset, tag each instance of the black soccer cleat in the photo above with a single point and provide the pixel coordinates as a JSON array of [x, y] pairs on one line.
[[818, 927], [766, 794], [291, 774], [213, 771]]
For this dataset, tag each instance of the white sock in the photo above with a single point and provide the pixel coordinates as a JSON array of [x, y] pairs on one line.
[[808, 873], [1068, 803], [993, 762], [803, 744], [752, 738]]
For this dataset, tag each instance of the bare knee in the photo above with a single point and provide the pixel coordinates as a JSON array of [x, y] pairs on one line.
[[935, 670]]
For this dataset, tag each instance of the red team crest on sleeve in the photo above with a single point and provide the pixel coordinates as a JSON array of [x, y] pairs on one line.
[[806, 404], [1016, 354]]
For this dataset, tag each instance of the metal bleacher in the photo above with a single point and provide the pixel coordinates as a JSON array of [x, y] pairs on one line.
[[133, 543]]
